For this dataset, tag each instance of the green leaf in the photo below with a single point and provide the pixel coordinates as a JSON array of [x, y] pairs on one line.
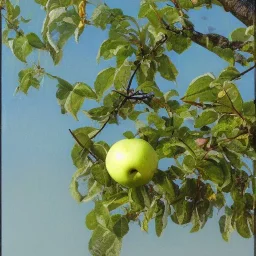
[[166, 68], [250, 30], [165, 186], [147, 11], [148, 87], [189, 164], [195, 222], [207, 117], [100, 149], [233, 157], [170, 14], [248, 108], [134, 115], [225, 226], [24, 20], [227, 74], [100, 114], [170, 94], [104, 242], [84, 134], [228, 125], [73, 188], [93, 189], [64, 89], [121, 227], [145, 66], [21, 48], [27, 78], [229, 98], [239, 34], [146, 196], [177, 172], [90, 220], [149, 215], [122, 75], [155, 119], [136, 199], [104, 81], [35, 41], [242, 226], [116, 200], [76, 97], [79, 156], [100, 174], [12, 12], [220, 201], [212, 171], [225, 53], [141, 78], [84, 90], [53, 4], [74, 184], [200, 89], [128, 134], [59, 26], [100, 16], [5, 35], [178, 43], [102, 214], [183, 211], [227, 171], [42, 2], [161, 219], [110, 48]]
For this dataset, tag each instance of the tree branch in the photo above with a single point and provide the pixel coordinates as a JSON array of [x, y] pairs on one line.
[[244, 10], [130, 81], [82, 146], [244, 72], [102, 127]]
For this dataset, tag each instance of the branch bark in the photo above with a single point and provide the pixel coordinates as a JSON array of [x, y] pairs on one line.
[[244, 10]]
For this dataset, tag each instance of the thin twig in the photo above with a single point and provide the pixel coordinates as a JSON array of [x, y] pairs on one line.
[[76, 139], [82, 146], [122, 94], [102, 127], [244, 72], [130, 81]]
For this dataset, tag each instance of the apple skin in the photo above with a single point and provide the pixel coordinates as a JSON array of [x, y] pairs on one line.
[[132, 162]]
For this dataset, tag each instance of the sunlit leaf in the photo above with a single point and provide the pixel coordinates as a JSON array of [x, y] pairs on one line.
[[104, 242], [21, 48], [104, 81], [207, 117]]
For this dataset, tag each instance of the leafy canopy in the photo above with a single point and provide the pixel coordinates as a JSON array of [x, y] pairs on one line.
[[209, 152]]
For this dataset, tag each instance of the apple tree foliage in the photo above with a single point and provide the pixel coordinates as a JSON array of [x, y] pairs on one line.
[[210, 172]]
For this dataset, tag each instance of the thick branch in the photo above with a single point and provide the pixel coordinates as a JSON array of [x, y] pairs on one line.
[[208, 41], [244, 10]]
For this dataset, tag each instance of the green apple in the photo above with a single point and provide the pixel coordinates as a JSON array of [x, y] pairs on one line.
[[132, 162]]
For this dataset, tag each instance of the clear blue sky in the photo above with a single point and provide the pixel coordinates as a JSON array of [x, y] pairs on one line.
[[39, 216]]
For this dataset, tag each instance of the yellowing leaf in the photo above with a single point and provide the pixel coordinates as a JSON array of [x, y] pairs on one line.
[[221, 94]]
